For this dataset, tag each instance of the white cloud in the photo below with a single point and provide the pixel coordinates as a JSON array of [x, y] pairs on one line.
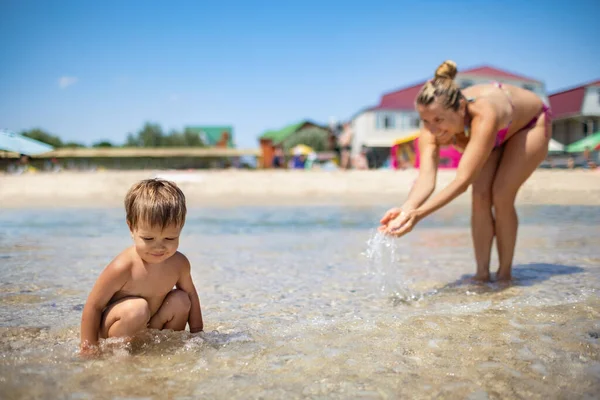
[[66, 81]]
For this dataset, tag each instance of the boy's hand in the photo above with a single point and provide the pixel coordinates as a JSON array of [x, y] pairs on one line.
[[89, 351], [196, 330]]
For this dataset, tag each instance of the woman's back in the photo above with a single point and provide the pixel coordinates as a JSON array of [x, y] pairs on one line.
[[515, 106]]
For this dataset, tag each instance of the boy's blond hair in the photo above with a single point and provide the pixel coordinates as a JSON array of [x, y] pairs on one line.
[[156, 202]]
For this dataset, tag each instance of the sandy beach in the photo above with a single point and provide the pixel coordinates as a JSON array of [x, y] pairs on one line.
[[233, 187]]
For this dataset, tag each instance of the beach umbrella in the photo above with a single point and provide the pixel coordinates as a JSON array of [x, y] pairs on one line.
[[555, 146], [302, 149], [15, 143], [592, 141]]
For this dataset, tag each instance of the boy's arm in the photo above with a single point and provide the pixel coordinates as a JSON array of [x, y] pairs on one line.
[[186, 284], [109, 282]]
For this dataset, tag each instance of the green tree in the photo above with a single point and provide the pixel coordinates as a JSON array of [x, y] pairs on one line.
[[174, 139], [131, 141], [151, 135], [103, 144], [317, 138], [73, 145], [43, 136], [192, 139]]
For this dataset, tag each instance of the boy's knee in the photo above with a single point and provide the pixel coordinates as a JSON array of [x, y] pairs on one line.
[[136, 311], [180, 300]]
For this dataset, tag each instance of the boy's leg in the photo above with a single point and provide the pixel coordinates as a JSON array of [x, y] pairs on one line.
[[125, 318], [173, 313]]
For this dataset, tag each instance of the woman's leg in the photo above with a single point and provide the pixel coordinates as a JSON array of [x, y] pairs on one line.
[[523, 153], [482, 219]]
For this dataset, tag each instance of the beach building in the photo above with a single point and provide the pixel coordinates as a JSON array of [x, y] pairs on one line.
[[575, 112]]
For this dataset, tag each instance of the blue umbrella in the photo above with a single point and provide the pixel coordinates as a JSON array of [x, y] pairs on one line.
[[13, 142]]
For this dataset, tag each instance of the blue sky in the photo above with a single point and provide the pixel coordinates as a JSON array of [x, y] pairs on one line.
[[88, 71]]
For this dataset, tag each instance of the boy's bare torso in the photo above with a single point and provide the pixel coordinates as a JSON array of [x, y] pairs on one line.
[[152, 282]]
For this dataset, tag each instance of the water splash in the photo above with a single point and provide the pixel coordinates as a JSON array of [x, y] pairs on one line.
[[386, 267]]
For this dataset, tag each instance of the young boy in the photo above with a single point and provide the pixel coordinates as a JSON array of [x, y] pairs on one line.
[[136, 290]]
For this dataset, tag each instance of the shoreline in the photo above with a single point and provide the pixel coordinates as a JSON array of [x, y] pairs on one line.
[[275, 188]]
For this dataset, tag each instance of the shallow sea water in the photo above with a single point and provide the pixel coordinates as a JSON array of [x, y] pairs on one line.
[[309, 302]]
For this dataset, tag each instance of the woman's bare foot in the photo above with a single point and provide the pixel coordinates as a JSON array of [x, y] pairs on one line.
[[504, 276], [481, 278]]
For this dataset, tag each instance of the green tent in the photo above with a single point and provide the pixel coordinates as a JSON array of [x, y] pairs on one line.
[[211, 135], [592, 141], [278, 136]]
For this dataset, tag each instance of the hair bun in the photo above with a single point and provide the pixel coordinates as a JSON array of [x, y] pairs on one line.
[[446, 70]]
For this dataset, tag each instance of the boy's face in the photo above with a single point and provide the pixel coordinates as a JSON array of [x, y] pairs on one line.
[[155, 245]]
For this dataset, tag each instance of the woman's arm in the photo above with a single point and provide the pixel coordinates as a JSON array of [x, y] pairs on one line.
[[425, 183], [483, 127]]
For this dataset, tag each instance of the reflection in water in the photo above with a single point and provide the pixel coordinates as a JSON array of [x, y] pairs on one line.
[[310, 303]]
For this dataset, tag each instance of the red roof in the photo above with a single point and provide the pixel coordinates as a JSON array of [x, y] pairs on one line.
[[569, 102], [404, 99], [496, 73]]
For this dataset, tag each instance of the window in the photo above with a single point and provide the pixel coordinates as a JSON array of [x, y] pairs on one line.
[[415, 122], [386, 121], [586, 128], [598, 96], [466, 83], [529, 87], [595, 125]]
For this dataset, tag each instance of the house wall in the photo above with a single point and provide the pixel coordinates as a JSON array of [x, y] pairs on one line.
[[591, 102], [382, 124], [570, 130], [268, 151], [362, 127], [564, 129]]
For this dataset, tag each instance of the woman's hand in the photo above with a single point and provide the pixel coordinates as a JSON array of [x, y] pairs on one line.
[[397, 222], [388, 216]]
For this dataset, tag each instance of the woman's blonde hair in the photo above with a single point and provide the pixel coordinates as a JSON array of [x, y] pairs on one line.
[[442, 87]]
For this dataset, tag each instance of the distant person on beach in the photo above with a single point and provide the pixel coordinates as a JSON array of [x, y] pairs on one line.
[[345, 144], [503, 132], [148, 285], [278, 157]]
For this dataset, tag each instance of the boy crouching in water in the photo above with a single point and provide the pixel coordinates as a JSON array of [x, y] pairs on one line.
[[136, 290]]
